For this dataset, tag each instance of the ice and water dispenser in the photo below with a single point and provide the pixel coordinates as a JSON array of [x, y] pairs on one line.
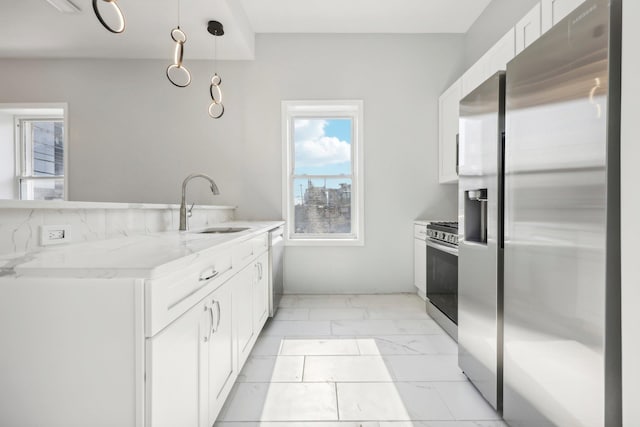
[[475, 216]]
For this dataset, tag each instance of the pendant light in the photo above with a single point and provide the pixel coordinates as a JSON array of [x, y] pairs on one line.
[[176, 72], [216, 108], [115, 10]]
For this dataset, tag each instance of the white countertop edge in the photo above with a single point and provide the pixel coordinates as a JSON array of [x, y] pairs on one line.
[[14, 264], [58, 204]]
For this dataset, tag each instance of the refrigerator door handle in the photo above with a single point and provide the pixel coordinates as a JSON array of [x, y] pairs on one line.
[[457, 154]]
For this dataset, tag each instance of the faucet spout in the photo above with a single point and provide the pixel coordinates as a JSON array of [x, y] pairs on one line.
[[183, 203]]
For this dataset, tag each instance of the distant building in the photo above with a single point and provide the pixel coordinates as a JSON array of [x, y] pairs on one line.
[[324, 210]]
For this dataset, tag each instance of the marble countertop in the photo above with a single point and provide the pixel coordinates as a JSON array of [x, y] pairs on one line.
[[138, 256], [59, 204]]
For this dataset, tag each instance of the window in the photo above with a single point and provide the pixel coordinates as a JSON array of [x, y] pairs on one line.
[[40, 159], [323, 174]]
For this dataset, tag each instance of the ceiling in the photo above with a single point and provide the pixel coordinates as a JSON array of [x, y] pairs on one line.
[[35, 29]]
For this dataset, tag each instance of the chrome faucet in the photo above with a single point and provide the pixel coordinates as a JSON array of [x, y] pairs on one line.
[[183, 204]]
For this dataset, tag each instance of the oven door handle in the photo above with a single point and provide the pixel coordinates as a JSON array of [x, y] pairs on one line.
[[443, 248]]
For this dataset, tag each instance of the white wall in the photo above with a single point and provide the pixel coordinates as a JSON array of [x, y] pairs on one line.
[[7, 157], [630, 153], [399, 78], [134, 137]]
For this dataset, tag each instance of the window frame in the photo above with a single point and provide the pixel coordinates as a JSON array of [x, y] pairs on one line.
[[21, 152], [325, 109]]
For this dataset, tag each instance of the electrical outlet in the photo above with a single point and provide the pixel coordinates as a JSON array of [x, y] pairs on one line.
[[54, 234]]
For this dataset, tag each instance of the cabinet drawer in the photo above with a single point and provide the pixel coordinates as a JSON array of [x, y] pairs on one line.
[[169, 296], [419, 231], [246, 251]]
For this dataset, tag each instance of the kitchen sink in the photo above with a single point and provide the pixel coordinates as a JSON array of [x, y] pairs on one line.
[[222, 230]]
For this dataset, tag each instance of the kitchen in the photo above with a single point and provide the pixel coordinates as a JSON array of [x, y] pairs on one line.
[[411, 73]]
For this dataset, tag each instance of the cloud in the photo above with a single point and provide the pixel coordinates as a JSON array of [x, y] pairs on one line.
[[315, 149]]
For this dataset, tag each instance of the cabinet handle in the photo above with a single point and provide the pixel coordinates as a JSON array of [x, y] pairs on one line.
[[218, 316], [259, 271], [206, 337], [208, 274]]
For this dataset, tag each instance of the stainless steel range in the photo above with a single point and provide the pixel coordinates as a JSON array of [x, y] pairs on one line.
[[442, 275]]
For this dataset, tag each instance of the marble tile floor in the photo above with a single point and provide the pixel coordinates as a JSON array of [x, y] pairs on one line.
[[354, 361]]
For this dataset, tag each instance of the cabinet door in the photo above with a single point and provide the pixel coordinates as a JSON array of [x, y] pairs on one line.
[[449, 111], [261, 293], [220, 362], [173, 371], [420, 266], [473, 77], [528, 29], [500, 53], [553, 11], [243, 312]]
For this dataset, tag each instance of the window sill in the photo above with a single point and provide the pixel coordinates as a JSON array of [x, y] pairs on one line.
[[324, 242]]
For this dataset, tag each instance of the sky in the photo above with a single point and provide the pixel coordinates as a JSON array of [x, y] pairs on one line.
[[322, 146]]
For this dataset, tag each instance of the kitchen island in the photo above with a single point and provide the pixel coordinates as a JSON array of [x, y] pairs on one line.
[[145, 330]]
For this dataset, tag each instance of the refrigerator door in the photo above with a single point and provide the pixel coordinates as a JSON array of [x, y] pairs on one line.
[[480, 255], [561, 286]]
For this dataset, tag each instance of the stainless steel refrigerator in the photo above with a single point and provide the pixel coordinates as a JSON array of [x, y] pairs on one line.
[[480, 206], [562, 225]]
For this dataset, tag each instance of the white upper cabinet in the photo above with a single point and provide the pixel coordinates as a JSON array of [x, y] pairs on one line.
[[528, 29], [494, 60], [500, 53], [449, 111], [552, 11], [541, 18], [475, 75]]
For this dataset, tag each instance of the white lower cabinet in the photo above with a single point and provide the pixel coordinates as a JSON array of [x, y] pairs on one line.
[[420, 266], [261, 292], [190, 364], [132, 352], [219, 368], [173, 372], [243, 313]]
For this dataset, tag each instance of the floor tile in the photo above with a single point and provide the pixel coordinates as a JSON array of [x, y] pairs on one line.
[[272, 369], [393, 313], [397, 302], [407, 344], [337, 313], [464, 401], [297, 328], [442, 424], [390, 402], [346, 369], [430, 367], [385, 327], [319, 347], [281, 402], [293, 314], [375, 360], [288, 301], [300, 424], [323, 301], [267, 345]]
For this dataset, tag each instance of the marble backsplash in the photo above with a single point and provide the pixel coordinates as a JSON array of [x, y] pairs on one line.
[[20, 227]]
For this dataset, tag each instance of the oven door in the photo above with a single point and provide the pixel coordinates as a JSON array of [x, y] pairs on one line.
[[442, 278]]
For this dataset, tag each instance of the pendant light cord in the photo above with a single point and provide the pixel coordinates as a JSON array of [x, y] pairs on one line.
[[215, 53], [179, 14]]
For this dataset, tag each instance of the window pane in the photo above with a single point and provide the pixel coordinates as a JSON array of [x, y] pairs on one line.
[[322, 146], [44, 147], [322, 206], [42, 189]]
